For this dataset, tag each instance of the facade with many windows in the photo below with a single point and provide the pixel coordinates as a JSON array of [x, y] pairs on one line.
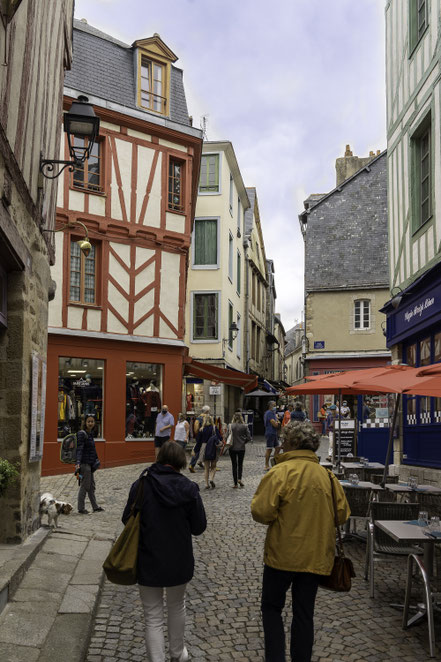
[[414, 181], [116, 325], [216, 278], [346, 275]]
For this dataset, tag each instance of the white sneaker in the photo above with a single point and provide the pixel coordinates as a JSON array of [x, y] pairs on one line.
[[183, 657]]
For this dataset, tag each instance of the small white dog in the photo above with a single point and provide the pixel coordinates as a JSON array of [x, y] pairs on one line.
[[52, 508]]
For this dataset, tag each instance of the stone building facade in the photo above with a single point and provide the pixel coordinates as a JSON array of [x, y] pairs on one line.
[[39, 38]]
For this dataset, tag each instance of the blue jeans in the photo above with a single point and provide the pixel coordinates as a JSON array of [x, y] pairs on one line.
[[304, 587]]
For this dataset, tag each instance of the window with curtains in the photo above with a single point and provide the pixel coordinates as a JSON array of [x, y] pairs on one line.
[[205, 315], [209, 177], [205, 243], [176, 185], [422, 410], [83, 272]]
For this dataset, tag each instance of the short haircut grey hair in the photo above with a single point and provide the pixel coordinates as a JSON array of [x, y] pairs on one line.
[[271, 404], [299, 435]]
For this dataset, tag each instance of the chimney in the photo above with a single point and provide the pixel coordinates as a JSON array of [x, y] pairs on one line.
[[349, 164]]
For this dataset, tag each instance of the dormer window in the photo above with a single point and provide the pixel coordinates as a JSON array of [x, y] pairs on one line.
[[154, 61], [152, 85]]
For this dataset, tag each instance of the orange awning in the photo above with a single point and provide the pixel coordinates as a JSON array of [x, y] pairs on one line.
[[222, 375], [357, 382]]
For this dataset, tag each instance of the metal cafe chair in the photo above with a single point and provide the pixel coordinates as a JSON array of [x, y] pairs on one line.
[[359, 501], [380, 546]]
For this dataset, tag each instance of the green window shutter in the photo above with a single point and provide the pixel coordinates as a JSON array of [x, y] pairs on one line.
[[205, 242], [239, 262], [209, 177]]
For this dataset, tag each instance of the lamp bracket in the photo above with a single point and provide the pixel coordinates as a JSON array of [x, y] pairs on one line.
[[47, 166]]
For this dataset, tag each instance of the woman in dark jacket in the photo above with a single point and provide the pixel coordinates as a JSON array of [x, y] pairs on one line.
[[86, 464], [241, 436], [298, 414], [172, 511], [210, 439]]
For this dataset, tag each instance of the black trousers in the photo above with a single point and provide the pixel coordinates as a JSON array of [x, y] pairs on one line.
[[237, 464], [304, 587]]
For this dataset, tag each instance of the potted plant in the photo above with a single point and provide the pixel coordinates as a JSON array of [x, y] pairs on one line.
[[8, 474]]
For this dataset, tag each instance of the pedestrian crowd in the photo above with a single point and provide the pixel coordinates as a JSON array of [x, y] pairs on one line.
[[297, 499]]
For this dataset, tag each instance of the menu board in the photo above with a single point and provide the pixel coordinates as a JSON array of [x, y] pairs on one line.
[[347, 436]]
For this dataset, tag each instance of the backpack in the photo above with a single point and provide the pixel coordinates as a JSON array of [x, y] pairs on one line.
[[211, 447], [68, 449]]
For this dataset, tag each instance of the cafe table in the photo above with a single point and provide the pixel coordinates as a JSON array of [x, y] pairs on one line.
[[408, 533], [362, 485], [402, 488], [359, 465]]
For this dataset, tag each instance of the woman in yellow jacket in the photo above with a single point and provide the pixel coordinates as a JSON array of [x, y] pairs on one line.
[[295, 500]]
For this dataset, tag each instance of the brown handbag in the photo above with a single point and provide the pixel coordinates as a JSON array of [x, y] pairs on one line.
[[342, 570]]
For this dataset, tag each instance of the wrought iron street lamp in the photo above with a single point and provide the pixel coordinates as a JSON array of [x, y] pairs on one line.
[[82, 124], [232, 335]]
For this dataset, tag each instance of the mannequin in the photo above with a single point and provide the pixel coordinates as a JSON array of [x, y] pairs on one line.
[[152, 401]]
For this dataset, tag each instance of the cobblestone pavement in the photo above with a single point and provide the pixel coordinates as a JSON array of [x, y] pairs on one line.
[[223, 618]]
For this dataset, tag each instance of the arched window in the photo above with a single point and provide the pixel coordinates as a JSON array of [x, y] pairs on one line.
[[362, 314]]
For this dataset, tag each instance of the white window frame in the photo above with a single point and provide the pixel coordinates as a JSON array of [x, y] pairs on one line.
[[219, 320], [219, 192], [193, 244], [229, 335], [231, 193], [230, 256], [362, 304], [239, 273], [239, 336], [239, 225]]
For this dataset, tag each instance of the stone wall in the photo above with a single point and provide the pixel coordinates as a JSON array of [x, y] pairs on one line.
[[26, 332]]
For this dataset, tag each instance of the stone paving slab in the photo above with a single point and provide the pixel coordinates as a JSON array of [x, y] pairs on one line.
[[79, 599], [15, 653]]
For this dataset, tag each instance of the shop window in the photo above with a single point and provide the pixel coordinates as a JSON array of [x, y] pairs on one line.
[[143, 399], [80, 393], [205, 316], [83, 271], [411, 355], [425, 351], [437, 348], [411, 418], [89, 175], [205, 243], [425, 416], [3, 297], [176, 185]]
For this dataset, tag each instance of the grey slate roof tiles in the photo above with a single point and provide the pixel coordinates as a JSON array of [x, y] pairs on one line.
[[346, 236], [105, 67]]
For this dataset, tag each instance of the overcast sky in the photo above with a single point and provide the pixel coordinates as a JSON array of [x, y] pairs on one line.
[[288, 82]]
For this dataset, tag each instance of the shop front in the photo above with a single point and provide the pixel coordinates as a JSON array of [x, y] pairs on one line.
[[123, 384], [414, 335]]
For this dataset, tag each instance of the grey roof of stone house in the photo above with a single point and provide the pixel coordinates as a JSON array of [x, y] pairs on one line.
[[346, 234], [105, 67], [249, 213], [290, 339]]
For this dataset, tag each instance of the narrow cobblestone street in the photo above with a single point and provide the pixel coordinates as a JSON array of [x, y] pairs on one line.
[[223, 618]]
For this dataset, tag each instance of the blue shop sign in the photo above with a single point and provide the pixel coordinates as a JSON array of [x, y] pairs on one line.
[[319, 344], [415, 314]]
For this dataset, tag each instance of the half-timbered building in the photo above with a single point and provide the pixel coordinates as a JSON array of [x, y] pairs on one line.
[[116, 325], [413, 93]]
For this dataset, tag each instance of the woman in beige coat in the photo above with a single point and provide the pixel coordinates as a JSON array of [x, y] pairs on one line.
[[295, 500]]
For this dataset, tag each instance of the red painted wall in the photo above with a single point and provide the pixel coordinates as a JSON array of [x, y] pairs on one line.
[[114, 451]]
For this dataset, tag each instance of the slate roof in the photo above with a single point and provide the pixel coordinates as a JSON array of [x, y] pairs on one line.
[[346, 233], [104, 67], [290, 339]]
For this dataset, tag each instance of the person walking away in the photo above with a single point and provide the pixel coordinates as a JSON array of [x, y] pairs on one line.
[[211, 440], [322, 417], [287, 415], [298, 414], [295, 501], [164, 424], [87, 463], [197, 455], [330, 429], [241, 436], [182, 431], [171, 512], [271, 424]]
